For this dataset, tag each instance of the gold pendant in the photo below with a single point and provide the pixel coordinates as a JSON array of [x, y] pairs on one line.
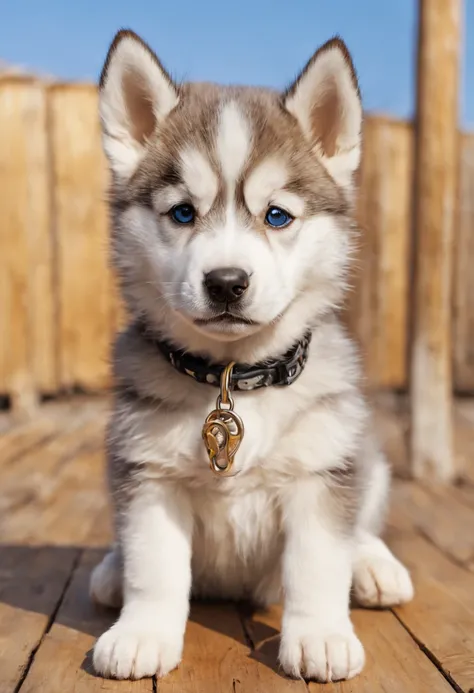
[[223, 429]]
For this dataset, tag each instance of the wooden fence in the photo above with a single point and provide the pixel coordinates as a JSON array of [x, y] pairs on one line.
[[58, 305]]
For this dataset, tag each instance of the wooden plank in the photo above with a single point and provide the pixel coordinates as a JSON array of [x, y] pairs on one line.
[[85, 284], [441, 616], [41, 486], [434, 206], [64, 510], [63, 662], [32, 581], [394, 663], [64, 502], [441, 516], [20, 437], [378, 304], [52, 504], [27, 310], [72, 434], [463, 325], [217, 659]]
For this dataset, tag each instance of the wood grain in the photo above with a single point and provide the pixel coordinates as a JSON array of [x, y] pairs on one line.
[[436, 165], [441, 617], [81, 232], [31, 584], [52, 504], [441, 516], [27, 302], [378, 302], [52, 493], [217, 659], [394, 663], [20, 437], [463, 324], [69, 644]]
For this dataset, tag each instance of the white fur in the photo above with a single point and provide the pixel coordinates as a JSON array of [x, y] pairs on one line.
[[317, 635], [148, 637], [122, 149], [263, 183], [200, 179], [289, 201], [379, 578], [328, 73], [233, 142]]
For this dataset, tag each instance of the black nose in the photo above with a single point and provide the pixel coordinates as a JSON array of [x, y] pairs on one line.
[[227, 284]]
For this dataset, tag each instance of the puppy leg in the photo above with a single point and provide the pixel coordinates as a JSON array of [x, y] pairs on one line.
[[155, 533], [106, 581], [318, 639], [379, 579]]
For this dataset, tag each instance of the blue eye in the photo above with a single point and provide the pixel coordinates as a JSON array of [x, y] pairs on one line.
[[278, 218], [183, 214]]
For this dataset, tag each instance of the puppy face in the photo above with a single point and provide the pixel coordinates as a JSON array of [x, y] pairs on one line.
[[229, 204]]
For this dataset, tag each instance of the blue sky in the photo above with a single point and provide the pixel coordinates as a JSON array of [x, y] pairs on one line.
[[241, 41]]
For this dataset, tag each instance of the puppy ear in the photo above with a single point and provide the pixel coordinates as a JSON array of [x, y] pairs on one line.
[[135, 95], [325, 100]]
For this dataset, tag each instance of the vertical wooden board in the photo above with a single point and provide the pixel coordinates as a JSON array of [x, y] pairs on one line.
[[361, 307], [463, 327], [85, 284], [379, 300], [27, 312], [393, 229], [436, 169]]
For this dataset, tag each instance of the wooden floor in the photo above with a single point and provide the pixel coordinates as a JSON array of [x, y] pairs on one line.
[[54, 526]]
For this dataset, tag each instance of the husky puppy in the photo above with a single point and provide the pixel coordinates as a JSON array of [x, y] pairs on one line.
[[232, 237]]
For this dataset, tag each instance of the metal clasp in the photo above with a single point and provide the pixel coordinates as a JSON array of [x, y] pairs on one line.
[[223, 429]]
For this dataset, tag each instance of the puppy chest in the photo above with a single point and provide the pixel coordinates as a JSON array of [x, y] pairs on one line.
[[235, 537]]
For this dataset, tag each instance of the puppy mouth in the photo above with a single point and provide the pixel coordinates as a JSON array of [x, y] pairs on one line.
[[225, 318]]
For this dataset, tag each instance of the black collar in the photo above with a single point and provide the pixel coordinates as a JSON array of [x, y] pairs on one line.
[[282, 371]]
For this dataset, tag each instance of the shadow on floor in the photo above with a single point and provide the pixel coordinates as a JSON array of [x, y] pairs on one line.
[[54, 581]]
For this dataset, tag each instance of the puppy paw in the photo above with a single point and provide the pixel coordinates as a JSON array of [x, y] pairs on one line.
[[329, 654], [381, 581], [133, 650]]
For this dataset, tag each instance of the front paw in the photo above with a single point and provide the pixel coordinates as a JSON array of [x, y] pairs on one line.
[[133, 650], [324, 654], [381, 582]]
